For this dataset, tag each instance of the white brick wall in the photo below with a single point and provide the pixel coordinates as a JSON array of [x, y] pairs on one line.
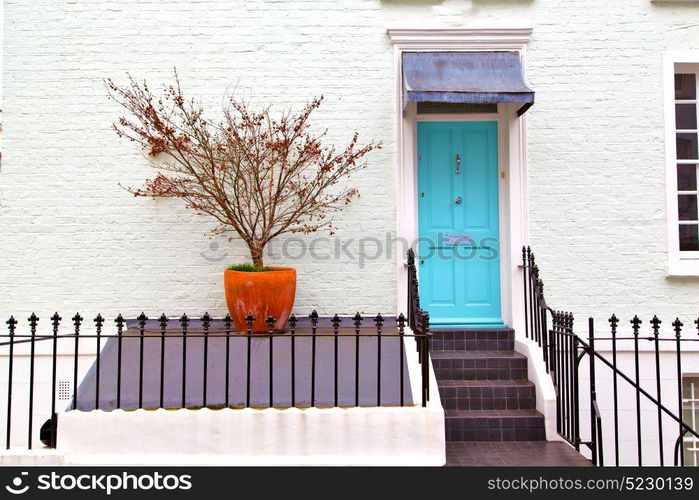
[[73, 239]]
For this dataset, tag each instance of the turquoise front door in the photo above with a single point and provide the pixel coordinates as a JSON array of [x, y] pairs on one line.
[[459, 246]]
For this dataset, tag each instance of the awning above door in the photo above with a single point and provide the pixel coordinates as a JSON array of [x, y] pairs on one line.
[[466, 77]]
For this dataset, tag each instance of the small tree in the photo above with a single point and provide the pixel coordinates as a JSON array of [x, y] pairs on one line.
[[258, 175]]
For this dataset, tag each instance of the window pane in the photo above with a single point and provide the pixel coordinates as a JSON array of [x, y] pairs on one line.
[[686, 177], [685, 86], [689, 238], [685, 116], [687, 413], [687, 206], [690, 388], [686, 146], [691, 455]]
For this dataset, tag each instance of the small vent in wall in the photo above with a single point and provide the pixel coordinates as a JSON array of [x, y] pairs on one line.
[[426, 108], [63, 390]]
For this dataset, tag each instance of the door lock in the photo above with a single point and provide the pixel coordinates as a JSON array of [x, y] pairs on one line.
[[458, 200], [458, 164]]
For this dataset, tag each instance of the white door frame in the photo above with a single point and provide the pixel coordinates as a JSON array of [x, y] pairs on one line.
[[512, 159]]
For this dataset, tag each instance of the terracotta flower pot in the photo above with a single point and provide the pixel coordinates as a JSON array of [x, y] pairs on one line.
[[263, 294]]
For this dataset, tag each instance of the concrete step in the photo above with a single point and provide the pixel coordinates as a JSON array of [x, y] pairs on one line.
[[479, 365], [487, 394], [494, 425]]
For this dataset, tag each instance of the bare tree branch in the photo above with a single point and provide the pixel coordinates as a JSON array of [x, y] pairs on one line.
[[258, 176]]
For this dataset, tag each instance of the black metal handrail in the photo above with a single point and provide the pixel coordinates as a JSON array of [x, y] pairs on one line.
[[562, 351], [419, 321], [306, 338]]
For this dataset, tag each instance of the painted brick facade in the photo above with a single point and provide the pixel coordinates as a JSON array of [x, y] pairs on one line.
[[73, 239]]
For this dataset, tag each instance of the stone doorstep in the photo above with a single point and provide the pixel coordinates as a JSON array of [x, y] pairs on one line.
[[492, 340]]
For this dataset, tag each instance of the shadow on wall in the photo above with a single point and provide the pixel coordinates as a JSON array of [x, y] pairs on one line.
[[455, 3], [675, 3]]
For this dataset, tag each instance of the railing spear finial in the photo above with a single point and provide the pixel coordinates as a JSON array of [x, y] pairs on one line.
[[357, 322], [379, 323], [270, 324], [336, 323], [120, 321], [249, 319], [655, 323], [677, 325], [613, 322], [99, 321], [184, 321], [206, 322], [12, 324], [636, 324], [400, 321], [56, 318], [142, 318]]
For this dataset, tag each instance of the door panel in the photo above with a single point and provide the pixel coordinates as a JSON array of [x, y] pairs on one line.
[[441, 144], [458, 251], [443, 279]]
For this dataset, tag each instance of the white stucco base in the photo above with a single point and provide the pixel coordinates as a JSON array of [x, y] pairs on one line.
[[387, 435], [545, 391], [327, 436]]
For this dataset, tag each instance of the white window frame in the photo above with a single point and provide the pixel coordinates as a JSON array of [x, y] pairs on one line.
[[679, 263], [691, 403]]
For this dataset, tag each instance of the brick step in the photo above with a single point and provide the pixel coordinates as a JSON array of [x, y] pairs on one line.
[[487, 394], [479, 365], [494, 425], [501, 339]]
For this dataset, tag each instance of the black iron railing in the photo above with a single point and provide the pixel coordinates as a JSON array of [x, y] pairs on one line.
[[563, 352], [419, 321], [184, 363]]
